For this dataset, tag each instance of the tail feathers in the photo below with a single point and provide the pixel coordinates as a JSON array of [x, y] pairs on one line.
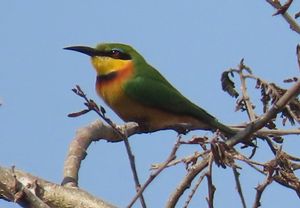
[[229, 132], [224, 129]]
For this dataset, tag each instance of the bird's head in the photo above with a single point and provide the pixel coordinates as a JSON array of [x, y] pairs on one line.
[[109, 57]]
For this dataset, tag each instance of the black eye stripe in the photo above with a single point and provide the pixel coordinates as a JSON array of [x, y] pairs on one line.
[[116, 54]]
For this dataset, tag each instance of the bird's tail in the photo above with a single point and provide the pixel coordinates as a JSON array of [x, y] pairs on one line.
[[226, 130]]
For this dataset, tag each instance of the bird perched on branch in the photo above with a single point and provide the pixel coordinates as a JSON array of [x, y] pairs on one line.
[[138, 92]]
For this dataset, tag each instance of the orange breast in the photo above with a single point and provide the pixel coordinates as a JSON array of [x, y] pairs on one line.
[[110, 89]]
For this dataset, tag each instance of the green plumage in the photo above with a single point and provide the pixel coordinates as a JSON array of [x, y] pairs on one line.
[[148, 88]]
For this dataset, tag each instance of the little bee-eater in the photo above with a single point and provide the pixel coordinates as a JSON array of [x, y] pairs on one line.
[[138, 92]]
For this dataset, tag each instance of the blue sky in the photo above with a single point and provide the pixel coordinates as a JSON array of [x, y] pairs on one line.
[[190, 43]]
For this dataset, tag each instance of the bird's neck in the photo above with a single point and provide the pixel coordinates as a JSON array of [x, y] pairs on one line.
[[115, 77], [107, 65]]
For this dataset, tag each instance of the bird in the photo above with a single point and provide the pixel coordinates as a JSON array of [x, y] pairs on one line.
[[137, 92]]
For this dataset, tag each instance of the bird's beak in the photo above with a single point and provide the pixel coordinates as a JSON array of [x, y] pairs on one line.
[[84, 49]]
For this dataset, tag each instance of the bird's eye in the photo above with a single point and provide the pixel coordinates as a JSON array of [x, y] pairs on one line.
[[115, 53], [119, 54]]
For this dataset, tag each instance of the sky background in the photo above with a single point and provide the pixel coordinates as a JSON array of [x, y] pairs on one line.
[[190, 43]]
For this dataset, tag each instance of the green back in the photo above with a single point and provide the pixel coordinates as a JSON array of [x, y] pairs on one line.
[[150, 88]]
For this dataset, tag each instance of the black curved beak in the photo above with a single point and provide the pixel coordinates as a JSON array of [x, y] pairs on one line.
[[85, 50]]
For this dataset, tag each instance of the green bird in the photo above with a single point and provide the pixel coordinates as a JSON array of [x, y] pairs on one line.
[[137, 92]]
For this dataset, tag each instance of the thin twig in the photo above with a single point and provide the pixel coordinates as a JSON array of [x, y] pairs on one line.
[[211, 187], [298, 55], [283, 8], [293, 158], [271, 93], [290, 20], [289, 181], [101, 112], [171, 157], [186, 182], [251, 163], [239, 186], [270, 114], [193, 191], [246, 98], [188, 159], [271, 145], [277, 132], [260, 189], [134, 171]]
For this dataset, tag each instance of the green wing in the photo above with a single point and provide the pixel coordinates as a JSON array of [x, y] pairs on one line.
[[150, 88]]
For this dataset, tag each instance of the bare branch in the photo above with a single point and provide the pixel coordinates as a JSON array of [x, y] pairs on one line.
[[211, 187], [261, 122], [193, 191], [277, 132], [186, 182], [259, 190], [171, 157], [12, 189], [283, 8], [298, 55], [245, 96], [36, 192], [95, 131], [290, 20], [134, 171], [91, 105], [239, 186], [191, 159]]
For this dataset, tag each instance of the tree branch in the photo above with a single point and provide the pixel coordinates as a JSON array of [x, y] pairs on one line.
[[239, 186], [290, 20], [186, 182], [193, 191], [254, 126], [101, 112], [95, 131], [171, 157], [260, 189], [245, 96], [36, 192], [210, 185]]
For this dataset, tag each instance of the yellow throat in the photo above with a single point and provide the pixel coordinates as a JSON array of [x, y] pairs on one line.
[[106, 65]]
